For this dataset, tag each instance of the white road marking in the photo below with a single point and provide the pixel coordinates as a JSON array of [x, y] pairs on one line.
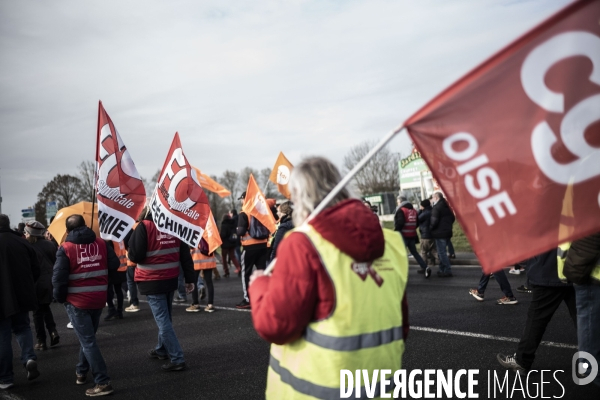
[[442, 331], [491, 337]]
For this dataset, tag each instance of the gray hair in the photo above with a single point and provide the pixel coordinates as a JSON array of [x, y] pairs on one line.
[[310, 182]]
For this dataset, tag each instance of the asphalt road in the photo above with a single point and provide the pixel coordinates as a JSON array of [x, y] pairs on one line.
[[228, 360]]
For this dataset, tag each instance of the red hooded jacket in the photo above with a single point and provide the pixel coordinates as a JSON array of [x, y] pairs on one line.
[[299, 290]]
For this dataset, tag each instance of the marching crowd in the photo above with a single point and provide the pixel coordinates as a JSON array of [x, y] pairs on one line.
[[300, 308]]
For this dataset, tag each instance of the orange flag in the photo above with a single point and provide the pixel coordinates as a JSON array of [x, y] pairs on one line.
[[210, 184], [255, 205], [280, 174], [211, 234]]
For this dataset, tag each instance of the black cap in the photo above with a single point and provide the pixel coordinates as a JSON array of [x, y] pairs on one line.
[[243, 196]]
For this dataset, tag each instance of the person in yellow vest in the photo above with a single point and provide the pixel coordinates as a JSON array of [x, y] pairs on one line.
[[582, 267], [206, 264], [336, 298]]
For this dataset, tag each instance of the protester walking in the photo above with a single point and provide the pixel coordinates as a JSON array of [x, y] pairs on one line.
[[203, 263], [428, 249], [440, 225], [406, 222], [115, 283], [80, 280], [285, 224], [19, 269], [46, 253], [314, 302], [254, 254], [582, 267], [230, 241], [502, 279], [548, 293], [158, 257]]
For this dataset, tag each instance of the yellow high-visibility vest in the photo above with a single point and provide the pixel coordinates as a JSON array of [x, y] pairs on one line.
[[561, 254], [364, 330]]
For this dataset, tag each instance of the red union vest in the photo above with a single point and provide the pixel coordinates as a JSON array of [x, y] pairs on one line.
[[88, 276], [121, 252], [162, 256], [410, 222], [203, 262]]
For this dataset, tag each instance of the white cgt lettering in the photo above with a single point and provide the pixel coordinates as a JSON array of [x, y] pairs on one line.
[[484, 180], [576, 120]]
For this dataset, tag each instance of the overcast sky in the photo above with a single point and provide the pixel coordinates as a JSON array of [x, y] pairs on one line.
[[240, 81]]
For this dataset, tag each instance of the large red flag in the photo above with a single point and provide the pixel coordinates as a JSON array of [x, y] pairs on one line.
[[119, 188], [515, 144], [179, 205]]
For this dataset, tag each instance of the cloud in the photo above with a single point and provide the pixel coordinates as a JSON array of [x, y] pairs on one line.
[[239, 80]]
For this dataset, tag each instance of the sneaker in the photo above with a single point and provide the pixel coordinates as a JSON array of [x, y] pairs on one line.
[[40, 346], [475, 293], [32, 370], [523, 289], [509, 362], [70, 325], [179, 300], [174, 367], [193, 308], [427, 272], [54, 338], [209, 308], [113, 315], [153, 354], [507, 300], [451, 255], [99, 390], [6, 385], [244, 305], [132, 308], [81, 379], [514, 271]]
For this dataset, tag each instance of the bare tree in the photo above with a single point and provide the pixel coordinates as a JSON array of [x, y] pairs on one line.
[[149, 185], [271, 191], [245, 176], [231, 181], [380, 174], [64, 189], [86, 175]]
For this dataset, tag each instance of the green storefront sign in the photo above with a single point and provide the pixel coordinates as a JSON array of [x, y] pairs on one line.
[[412, 168]]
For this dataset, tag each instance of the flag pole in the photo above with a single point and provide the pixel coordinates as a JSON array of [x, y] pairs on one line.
[[95, 167], [346, 179]]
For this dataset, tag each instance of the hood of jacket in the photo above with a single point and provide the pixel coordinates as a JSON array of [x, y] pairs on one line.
[[353, 229], [406, 204], [81, 235]]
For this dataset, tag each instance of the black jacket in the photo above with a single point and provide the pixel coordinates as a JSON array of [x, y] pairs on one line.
[[441, 220], [582, 258], [399, 219], [19, 269], [62, 266], [228, 228], [542, 270], [424, 219], [285, 224], [242, 228], [46, 252], [138, 245]]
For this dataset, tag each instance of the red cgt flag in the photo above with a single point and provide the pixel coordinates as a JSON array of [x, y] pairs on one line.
[[179, 205], [119, 188], [515, 144]]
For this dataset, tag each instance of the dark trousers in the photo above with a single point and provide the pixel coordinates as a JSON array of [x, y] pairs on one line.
[[500, 278], [110, 295], [544, 302], [43, 315], [209, 286], [252, 257]]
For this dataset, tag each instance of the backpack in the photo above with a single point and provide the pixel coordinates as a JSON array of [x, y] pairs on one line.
[[257, 229]]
